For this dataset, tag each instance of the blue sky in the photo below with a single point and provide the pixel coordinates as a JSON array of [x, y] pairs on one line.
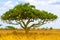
[[52, 6]]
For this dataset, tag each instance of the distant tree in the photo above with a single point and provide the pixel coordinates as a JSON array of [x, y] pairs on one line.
[[51, 28], [43, 28], [0, 24], [10, 27], [26, 12]]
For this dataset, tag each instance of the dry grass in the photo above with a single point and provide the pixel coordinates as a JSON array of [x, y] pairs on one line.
[[33, 35]]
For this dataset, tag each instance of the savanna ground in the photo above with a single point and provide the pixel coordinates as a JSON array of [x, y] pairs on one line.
[[35, 34]]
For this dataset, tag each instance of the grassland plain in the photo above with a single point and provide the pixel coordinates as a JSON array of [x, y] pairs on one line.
[[37, 34]]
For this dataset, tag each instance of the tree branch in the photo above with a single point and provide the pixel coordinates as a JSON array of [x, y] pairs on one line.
[[20, 24], [38, 24], [12, 23], [23, 22], [28, 21]]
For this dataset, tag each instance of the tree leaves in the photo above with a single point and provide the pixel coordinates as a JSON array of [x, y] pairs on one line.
[[27, 12]]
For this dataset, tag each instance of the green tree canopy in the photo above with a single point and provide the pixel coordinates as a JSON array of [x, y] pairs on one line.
[[22, 12]]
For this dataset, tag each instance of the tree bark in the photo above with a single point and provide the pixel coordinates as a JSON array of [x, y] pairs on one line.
[[27, 30]]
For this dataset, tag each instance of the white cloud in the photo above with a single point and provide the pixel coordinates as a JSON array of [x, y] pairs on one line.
[[9, 4], [2, 10], [37, 1]]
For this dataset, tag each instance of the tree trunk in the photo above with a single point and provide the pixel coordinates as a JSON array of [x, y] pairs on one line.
[[26, 30]]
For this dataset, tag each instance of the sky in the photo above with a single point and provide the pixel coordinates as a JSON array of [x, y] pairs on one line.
[[52, 6]]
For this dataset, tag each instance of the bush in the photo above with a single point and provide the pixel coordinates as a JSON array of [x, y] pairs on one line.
[[51, 28], [10, 27]]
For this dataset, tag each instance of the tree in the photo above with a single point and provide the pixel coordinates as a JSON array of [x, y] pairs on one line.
[[26, 12], [51, 28], [10, 27], [0, 24]]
